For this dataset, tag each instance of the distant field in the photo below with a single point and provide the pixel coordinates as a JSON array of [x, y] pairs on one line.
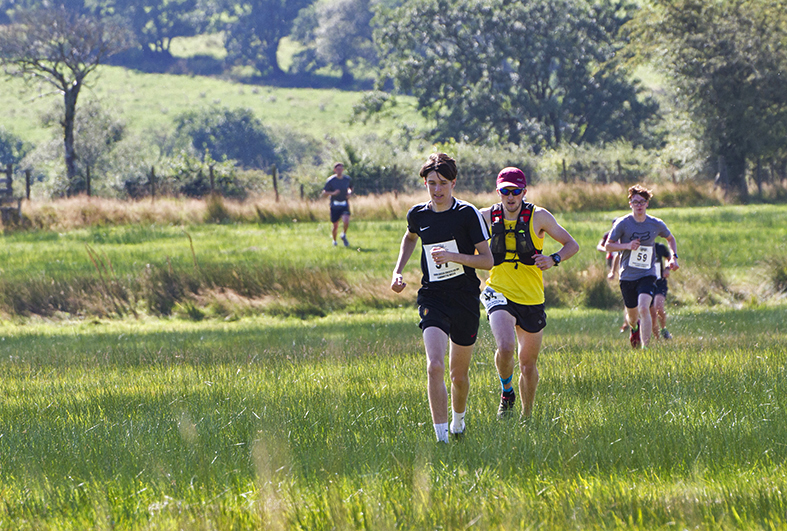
[[148, 102]]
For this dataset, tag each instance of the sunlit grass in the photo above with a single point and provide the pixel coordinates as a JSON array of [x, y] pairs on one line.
[[324, 423]]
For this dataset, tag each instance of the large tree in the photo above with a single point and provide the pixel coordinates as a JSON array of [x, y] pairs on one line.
[[257, 27], [535, 71], [729, 61], [336, 33], [61, 48]]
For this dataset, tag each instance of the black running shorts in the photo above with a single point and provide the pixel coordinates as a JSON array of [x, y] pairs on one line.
[[456, 313], [632, 289]]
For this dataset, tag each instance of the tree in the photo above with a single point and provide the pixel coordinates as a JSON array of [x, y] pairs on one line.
[[336, 33], [156, 22], [728, 59], [62, 49], [96, 133], [258, 26], [540, 71], [12, 148], [222, 133]]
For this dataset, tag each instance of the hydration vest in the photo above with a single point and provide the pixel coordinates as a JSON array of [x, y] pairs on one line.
[[524, 243]]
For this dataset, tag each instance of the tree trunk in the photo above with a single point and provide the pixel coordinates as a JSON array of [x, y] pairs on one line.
[[736, 171], [70, 101]]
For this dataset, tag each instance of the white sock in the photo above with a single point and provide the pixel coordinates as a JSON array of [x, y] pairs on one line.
[[458, 422], [441, 430]]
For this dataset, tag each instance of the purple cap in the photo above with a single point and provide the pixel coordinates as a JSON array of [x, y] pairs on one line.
[[511, 177]]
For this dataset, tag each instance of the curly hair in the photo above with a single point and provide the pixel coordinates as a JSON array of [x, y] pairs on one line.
[[640, 190]]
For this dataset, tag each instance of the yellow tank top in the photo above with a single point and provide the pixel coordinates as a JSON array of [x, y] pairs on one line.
[[523, 284]]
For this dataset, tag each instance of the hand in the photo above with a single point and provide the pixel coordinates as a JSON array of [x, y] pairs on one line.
[[634, 245], [440, 255], [673, 264], [543, 262], [398, 283]]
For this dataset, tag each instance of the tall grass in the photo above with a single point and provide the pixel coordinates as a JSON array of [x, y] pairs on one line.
[[175, 264], [280, 423]]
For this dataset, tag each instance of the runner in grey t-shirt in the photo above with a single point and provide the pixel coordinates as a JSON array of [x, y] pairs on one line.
[[635, 237]]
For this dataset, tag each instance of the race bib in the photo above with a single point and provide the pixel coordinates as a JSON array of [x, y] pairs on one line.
[[658, 270], [491, 298], [445, 271], [641, 258]]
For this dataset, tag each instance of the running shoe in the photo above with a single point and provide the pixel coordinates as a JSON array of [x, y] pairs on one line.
[[344, 239], [506, 408], [334, 243], [634, 337], [665, 334]]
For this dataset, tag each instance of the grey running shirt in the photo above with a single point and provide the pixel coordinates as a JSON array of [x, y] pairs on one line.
[[642, 262]]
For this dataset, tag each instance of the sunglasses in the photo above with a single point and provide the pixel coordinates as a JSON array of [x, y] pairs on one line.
[[512, 191]]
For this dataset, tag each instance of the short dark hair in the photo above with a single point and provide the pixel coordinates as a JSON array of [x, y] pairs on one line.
[[440, 163]]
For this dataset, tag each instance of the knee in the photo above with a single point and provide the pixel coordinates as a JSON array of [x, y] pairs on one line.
[[506, 349], [460, 379], [435, 369]]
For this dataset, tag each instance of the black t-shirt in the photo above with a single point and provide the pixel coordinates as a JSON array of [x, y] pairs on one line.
[[458, 229], [335, 183]]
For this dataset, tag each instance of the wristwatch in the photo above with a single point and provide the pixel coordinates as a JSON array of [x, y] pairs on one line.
[[555, 258]]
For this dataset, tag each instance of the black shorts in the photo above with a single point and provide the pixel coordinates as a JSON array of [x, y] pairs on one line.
[[660, 288], [632, 289], [530, 318], [337, 211], [455, 313]]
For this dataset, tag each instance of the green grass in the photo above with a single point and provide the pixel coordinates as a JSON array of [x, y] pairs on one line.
[[149, 102], [324, 423]]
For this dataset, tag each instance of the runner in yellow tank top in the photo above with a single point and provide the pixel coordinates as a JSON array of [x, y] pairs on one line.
[[514, 295], [523, 284]]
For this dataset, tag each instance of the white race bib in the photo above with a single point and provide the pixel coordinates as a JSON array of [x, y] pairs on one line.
[[444, 271], [641, 258], [491, 298]]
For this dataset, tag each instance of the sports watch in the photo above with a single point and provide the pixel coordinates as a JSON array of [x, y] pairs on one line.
[[555, 258]]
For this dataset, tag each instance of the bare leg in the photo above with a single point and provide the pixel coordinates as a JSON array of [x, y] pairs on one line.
[[529, 347], [459, 367], [436, 342], [645, 322], [503, 324]]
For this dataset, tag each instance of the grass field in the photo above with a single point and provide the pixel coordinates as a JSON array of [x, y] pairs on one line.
[[149, 102], [322, 423]]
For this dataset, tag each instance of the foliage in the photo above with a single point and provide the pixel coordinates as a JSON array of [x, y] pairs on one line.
[[376, 167], [12, 148], [256, 28], [728, 59], [96, 133], [228, 134], [336, 33], [155, 23], [540, 72], [61, 48]]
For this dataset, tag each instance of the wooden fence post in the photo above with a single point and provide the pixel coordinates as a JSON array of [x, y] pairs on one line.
[[152, 183], [28, 177], [275, 183]]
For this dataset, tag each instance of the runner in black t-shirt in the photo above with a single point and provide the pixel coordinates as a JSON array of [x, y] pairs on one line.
[[451, 233]]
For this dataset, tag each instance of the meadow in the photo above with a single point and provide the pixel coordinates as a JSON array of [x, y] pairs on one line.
[[267, 419]]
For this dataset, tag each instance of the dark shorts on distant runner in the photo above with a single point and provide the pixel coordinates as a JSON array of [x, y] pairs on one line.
[[632, 289], [457, 314], [339, 210]]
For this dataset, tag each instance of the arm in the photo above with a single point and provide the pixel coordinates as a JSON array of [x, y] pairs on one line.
[[482, 259], [600, 246], [673, 260], [617, 246], [545, 222], [405, 252]]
